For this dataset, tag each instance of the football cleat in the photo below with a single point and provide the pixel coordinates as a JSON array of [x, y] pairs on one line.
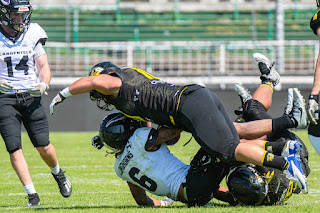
[[267, 69], [34, 200], [292, 147], [244, 95], [295, 108], [63, 183], [295, 173]]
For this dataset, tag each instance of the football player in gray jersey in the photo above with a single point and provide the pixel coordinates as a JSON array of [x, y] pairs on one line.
[[21, 53]]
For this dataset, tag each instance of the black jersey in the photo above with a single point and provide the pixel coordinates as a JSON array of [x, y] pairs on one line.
[[145, 97]]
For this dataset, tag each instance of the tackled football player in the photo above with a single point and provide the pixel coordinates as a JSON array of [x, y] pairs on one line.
[[192, 108]]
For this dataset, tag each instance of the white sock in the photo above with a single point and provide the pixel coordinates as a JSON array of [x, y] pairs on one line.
[[55, 170], [30, 188]]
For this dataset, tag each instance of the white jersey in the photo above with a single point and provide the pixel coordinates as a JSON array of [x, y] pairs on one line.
[[17, 64], [158, 172]]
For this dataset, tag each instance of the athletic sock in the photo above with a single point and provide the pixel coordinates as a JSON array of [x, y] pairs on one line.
[[30, 188], [274, 147], [267, 83], [55, 170], [282, 123], [274, 161]]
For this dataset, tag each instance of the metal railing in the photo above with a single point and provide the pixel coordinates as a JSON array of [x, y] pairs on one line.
[[182, 58]]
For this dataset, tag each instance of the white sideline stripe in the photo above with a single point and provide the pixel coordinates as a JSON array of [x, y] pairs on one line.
[[58, 193], [80, 166]]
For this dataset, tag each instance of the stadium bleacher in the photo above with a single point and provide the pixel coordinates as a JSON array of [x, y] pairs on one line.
[[97, 26]]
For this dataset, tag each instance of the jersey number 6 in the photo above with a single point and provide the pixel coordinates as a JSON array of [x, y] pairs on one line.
[[144, 181]]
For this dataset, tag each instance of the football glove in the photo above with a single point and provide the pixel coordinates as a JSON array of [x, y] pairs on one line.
[[39, 89], [167, 202], [5, 86], [55, 101], [96, 142], [313, 109]]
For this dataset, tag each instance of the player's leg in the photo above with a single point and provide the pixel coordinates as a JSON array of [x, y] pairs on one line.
[[269, 78], [295, 116], [290, 165], [10, 128], [203, 178], [36, 124], [203, 114]]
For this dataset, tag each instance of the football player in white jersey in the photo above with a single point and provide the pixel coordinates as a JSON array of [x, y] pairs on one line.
[[21, 53], [155, 169], [145, 162]]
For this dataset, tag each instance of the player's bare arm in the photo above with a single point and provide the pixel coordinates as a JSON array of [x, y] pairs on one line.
[[254, 129], [43, 68], [141, 198], [316, 83], [105, 84]]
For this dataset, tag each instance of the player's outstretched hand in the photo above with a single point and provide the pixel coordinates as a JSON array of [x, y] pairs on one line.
[[313, 109], [167, 202], [96, 142], [55, 101], [5, 86], [39, 89]]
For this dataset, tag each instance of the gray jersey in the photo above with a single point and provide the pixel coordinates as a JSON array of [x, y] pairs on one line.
[[158, 172]]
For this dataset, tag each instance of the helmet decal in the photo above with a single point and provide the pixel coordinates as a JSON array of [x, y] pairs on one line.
[[96, 71], [5, 2]]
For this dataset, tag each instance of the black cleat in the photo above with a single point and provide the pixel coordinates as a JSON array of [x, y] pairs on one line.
[[63, 183], [34, 200]]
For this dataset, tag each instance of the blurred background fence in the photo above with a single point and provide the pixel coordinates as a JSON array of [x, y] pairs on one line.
[[181, 44]]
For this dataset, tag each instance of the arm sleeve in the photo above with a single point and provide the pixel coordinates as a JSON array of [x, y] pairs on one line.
[[38, 50]]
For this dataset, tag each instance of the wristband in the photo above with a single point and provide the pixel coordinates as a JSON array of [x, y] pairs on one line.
[[65, 92]]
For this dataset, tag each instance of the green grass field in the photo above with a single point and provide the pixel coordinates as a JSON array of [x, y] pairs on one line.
[[96, 188]]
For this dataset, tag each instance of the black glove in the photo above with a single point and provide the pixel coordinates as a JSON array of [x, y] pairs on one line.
[[96, 142]]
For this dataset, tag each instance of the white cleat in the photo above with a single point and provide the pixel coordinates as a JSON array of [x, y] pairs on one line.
[[267, 69]]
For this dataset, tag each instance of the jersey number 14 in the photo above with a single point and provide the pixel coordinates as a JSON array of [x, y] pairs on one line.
[[22, 65]]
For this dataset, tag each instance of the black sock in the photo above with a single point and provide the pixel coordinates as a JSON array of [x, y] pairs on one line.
[[282, 123], [274, 147], [274, 161]]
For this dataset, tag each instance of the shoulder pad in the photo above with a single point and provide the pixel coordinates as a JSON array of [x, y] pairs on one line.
[[37, 34], [315, 22]]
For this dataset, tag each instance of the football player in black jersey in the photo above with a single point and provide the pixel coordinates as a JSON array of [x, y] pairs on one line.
[[313, 103], [192, 108], [22, 58]]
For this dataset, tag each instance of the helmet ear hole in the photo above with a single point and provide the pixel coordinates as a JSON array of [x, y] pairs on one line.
[[247, 185]]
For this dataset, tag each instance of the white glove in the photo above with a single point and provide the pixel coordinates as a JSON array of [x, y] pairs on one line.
[[5, 86], [313, 109], [39, 89], [166, 202], [55, 101]]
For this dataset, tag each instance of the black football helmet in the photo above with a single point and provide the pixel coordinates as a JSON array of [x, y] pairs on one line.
[[101, 68], [247, 185], [116, 129], [16, 6]]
